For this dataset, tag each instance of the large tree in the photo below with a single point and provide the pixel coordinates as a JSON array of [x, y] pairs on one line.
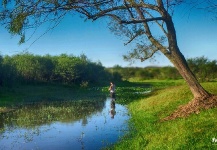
[[148, 22]]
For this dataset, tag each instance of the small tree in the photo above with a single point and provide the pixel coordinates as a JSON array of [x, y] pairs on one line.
[[136, 19]]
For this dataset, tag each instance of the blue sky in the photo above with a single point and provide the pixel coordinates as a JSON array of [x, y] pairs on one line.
[[196, 33]]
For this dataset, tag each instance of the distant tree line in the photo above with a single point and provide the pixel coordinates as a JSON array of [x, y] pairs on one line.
[[27, 68], [203, 68], [146, 73]]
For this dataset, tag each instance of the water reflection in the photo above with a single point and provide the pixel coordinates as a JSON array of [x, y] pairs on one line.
[[112, 111], [69, 125]]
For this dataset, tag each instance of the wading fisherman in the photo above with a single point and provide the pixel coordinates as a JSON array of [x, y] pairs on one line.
[[112, 90]]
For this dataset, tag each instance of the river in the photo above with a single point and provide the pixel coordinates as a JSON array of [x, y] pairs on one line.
[[90, 125]]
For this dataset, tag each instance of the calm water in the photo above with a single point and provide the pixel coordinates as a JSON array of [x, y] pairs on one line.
[[86, 126]]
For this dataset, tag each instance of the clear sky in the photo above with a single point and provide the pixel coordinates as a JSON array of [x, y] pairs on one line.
[[196, 33]]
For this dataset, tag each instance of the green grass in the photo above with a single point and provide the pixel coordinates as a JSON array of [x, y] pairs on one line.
[[159, 83], [147, 132]]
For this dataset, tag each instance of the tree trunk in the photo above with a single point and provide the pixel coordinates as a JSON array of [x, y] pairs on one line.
[[180, 63], [202, 99]]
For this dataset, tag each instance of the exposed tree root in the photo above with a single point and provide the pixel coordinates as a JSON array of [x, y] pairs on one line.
[[194, 106]]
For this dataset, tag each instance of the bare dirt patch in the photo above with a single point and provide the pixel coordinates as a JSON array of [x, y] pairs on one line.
[[194, 106]]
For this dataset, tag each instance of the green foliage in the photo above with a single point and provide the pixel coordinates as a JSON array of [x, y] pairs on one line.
[[17, 23], [84, 84], [204, 69], [146, 73], [66, 69], [8, 72]]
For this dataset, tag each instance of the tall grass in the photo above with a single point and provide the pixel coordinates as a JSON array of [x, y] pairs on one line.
[[198, 131]]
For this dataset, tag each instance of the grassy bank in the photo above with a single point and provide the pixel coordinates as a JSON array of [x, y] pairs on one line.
[[198, 131]]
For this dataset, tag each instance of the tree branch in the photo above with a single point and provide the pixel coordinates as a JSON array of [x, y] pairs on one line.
[[135, 36], [130, 12], [121, 7], [149, 56], [142, 20], [161, 26]]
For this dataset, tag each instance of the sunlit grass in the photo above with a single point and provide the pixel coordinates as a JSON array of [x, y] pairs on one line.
[[148, 132]]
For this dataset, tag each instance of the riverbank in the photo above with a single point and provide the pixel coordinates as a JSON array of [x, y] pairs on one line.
[[198, 131]]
